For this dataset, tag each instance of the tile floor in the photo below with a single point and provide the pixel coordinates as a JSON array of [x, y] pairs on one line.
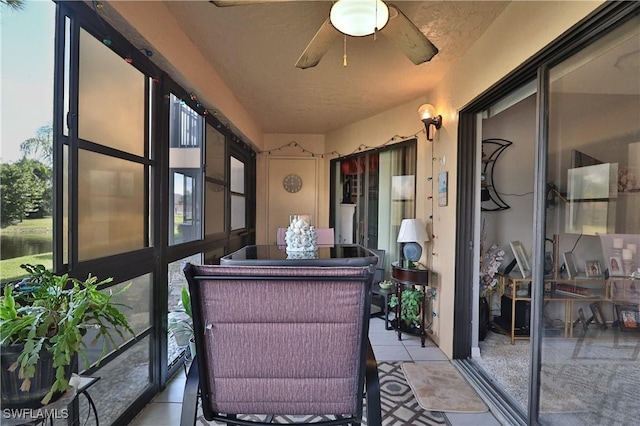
[[165, 409]]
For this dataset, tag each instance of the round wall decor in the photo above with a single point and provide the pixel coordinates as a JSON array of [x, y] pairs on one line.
[[292, 183]]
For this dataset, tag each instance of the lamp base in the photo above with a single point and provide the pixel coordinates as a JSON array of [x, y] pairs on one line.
[[412, 251]]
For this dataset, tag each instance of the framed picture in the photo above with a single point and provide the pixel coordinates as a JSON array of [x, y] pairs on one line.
[[570, 264], [597, 315], [593, 268], [615, 266], [628, 317], [521, 258]]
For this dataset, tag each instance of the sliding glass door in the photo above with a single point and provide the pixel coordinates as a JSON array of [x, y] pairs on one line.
[[589, 372]]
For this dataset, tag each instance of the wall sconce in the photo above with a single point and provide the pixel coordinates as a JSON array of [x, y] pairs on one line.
[[428, 116]]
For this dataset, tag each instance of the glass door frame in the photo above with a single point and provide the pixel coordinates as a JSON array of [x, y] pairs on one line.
[[604, 19]]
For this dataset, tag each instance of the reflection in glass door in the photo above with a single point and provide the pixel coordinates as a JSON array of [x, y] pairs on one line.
[[590, 374], [374, 191]]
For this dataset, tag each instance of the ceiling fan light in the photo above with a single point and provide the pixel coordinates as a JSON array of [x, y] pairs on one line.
[[359, 17]]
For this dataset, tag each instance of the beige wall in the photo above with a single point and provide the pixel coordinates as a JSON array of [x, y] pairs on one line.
[[284, 154], [519, 32]]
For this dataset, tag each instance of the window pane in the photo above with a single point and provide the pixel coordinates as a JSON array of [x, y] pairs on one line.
[[26, 103], [65, 204], [594, 162], [214, 208], [178, 327], [111, 205], [215, 154], [111, 98], [185, 163], [122, 381], [237, 212], [237, 176]]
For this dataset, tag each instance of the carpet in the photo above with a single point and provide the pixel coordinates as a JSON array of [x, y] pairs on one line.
[[399, 407], [584, 381], [439, 386]]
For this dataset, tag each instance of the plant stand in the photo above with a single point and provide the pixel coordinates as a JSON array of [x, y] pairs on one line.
[[407, 278]]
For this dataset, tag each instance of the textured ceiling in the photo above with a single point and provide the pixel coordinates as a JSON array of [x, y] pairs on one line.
[[254, 49]]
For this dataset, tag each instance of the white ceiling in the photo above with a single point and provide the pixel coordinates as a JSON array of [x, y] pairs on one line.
[[254, 48]]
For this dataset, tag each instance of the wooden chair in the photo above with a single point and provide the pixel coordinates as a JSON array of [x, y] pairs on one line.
[[274, 340]]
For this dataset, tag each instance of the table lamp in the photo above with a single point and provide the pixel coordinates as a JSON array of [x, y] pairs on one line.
[[412, 231]]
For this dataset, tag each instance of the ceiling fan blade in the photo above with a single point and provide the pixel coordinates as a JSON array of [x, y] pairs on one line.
[[225, 3], [318, 46], [408, 38]]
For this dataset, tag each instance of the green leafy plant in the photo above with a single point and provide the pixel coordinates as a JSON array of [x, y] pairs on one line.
[[52, 313], [181, 319], [410, 307]]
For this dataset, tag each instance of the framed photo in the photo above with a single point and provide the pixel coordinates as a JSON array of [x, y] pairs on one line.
[[597, 315], [570, 264], [615, 266], [628, 317], [521, 258], [593, 268]]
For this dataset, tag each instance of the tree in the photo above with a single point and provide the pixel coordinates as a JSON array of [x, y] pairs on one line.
[[40, 147], [14, 4], [23, 186]]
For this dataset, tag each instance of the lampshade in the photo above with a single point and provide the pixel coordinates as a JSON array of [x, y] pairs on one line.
[[359, 17], [412, 230]]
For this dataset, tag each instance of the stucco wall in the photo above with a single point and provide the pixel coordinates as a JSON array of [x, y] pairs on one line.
[[519, 32]]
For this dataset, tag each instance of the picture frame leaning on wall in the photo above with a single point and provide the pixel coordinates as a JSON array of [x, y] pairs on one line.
[[521, 258], [570, 264]]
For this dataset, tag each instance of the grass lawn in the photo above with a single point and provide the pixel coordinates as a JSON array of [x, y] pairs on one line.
[[35, 226], [10, 269]]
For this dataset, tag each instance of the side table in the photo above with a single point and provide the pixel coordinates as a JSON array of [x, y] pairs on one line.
[[57, 409], [385, 295], [406, 278]]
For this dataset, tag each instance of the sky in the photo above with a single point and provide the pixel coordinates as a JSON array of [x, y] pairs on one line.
[[26, 73]]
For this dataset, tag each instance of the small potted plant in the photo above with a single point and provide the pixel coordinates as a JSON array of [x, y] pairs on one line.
[[43, 320], [410, 307]]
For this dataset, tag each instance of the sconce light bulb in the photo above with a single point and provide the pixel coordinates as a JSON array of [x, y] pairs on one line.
[[426, 111]]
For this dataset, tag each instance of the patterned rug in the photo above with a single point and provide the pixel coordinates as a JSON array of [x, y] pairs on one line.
[[399, 407]]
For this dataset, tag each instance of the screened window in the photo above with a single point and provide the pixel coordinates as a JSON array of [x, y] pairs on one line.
[[215, 176], [238, 197], [186, 133]]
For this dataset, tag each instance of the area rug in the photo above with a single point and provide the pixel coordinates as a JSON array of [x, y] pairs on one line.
[[439, 386], [594, 380], [399, 407]]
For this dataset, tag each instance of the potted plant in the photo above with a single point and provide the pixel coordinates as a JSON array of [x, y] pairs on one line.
[[42, 323], [490, 261], [181, 322], [410, 299]]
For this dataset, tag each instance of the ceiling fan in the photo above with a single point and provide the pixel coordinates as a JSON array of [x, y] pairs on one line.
[[386, 19]]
